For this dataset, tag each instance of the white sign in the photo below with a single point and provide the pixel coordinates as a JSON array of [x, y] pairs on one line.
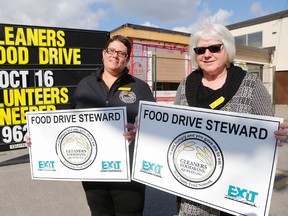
[[80, 144], [220, 159]]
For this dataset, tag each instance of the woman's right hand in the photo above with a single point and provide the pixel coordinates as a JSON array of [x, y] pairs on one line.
[[27, 140], [282, 134]]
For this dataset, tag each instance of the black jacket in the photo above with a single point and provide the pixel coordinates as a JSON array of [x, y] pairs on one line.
[[127, 90]]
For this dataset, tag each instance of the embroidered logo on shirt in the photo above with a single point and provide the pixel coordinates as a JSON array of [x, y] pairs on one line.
[[127, 96]]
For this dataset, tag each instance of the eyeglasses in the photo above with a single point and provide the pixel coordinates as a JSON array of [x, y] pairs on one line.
[[119, 53], [213, 49]]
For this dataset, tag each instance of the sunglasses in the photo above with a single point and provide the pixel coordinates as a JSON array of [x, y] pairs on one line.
[[213, 49]]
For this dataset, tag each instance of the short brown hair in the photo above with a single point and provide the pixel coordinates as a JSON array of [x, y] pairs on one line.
[[123, 40]]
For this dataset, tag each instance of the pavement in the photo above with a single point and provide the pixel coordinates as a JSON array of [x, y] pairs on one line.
[[22, 196]]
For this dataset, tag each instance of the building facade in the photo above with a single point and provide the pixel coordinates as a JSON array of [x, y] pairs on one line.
[[268, 33], [161, 57]]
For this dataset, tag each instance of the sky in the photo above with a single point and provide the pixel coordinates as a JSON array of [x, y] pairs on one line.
[[107, 15]]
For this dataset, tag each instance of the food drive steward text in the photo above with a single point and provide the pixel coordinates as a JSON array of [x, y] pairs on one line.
[[210, 125], [76, 118]]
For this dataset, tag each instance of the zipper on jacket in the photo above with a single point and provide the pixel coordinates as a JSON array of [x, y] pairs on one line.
[[114, 85], [110, 91]]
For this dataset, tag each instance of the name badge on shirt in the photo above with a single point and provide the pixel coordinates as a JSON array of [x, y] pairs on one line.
[[217, 102]]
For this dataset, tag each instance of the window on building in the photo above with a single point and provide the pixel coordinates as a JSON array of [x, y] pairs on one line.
[[240, 40], [166, 86], [255, 69], [253, 39]]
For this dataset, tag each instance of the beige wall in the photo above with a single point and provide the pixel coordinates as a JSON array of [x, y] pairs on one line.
[[170, 67]]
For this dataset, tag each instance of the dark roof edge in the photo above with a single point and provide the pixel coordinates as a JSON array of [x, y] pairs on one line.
[[259, 20], [149, 28]]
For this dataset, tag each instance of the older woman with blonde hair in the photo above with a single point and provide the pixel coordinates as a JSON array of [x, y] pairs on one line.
[[218, 84]]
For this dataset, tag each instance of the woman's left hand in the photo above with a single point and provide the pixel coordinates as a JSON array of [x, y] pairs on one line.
[[282, 134], [131, 131]]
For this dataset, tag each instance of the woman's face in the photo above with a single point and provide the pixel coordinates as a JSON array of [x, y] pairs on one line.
[[115, 63], [211, 63]]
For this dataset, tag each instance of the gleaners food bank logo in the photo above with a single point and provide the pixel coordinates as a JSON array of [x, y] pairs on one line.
[[195, 160], [76, 148], [127, 96]]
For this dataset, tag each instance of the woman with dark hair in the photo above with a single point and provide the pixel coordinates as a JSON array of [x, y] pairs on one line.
[[111, 86]]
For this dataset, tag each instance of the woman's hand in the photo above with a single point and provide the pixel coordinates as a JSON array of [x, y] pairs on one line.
[[27, 140], [282, 134], [131, 131]]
